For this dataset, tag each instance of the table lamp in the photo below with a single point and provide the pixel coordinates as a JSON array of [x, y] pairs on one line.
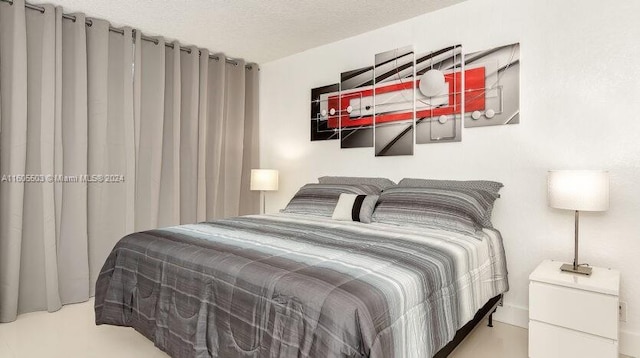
[[264, 180], [578, 190]]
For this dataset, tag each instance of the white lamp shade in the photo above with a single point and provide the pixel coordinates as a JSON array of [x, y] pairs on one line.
[[584, 190], [264, 179]]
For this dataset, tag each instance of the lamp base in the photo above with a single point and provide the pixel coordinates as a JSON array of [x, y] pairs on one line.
[[582, 270]]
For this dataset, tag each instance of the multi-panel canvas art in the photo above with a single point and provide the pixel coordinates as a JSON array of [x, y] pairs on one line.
[[498, 101], [394, 97], [356, 108], [320, 113], [439, 96], [425, 98]]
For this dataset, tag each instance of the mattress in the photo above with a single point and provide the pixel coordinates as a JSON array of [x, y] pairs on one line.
[[287, 285]]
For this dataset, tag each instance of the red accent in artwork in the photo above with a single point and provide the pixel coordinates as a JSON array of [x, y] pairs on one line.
[[475, 85], [475, 100]]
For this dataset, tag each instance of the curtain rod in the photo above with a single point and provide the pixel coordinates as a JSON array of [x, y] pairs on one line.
[[120, 31]]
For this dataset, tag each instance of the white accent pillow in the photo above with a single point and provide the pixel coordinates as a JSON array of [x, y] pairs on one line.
[[353, 207], [344, 207]]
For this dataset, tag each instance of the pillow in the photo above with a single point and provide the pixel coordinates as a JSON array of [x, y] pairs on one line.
[[490, 186], [381, 183], [321, 199], [463, 210], [352, 207]]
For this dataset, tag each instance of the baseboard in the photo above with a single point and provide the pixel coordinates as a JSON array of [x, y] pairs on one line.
[[519, 316], [630, 344], [513, 315]]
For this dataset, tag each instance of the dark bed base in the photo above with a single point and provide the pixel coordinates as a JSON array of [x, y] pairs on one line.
[[488, 309]]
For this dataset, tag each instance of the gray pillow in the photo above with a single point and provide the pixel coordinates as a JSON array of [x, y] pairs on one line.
[[381, 183], [352, 207], [321, 199], [490, 186], [464, 210]]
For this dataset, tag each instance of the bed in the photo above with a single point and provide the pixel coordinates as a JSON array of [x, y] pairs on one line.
[[300, 285]]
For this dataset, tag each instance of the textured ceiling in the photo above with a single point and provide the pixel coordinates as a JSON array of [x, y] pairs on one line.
[[256, 30]]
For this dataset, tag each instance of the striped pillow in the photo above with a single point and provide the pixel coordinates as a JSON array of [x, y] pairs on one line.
[[352, 207], [490, 186], [463, 210], [381, 183], [321, 199]]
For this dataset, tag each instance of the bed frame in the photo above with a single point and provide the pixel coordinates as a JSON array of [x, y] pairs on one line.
[[487, 310]]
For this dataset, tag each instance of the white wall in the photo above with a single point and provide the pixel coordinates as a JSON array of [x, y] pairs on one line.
[[580, 108]]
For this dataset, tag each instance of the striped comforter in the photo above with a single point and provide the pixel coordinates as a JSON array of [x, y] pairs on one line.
[[290, 285]]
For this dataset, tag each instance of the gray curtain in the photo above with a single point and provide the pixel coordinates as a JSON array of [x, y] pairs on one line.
[[198, 135], [179, 127]]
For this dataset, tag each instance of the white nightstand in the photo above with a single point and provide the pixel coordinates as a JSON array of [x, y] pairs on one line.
[[573, 315]]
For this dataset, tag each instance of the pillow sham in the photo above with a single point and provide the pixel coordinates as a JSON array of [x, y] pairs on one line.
[[381, 183], [490, 186], [352, 207], [457, 209], [321, 199]]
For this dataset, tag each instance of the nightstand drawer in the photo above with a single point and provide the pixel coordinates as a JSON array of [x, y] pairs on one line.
[[547, 341], [584, 311]]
